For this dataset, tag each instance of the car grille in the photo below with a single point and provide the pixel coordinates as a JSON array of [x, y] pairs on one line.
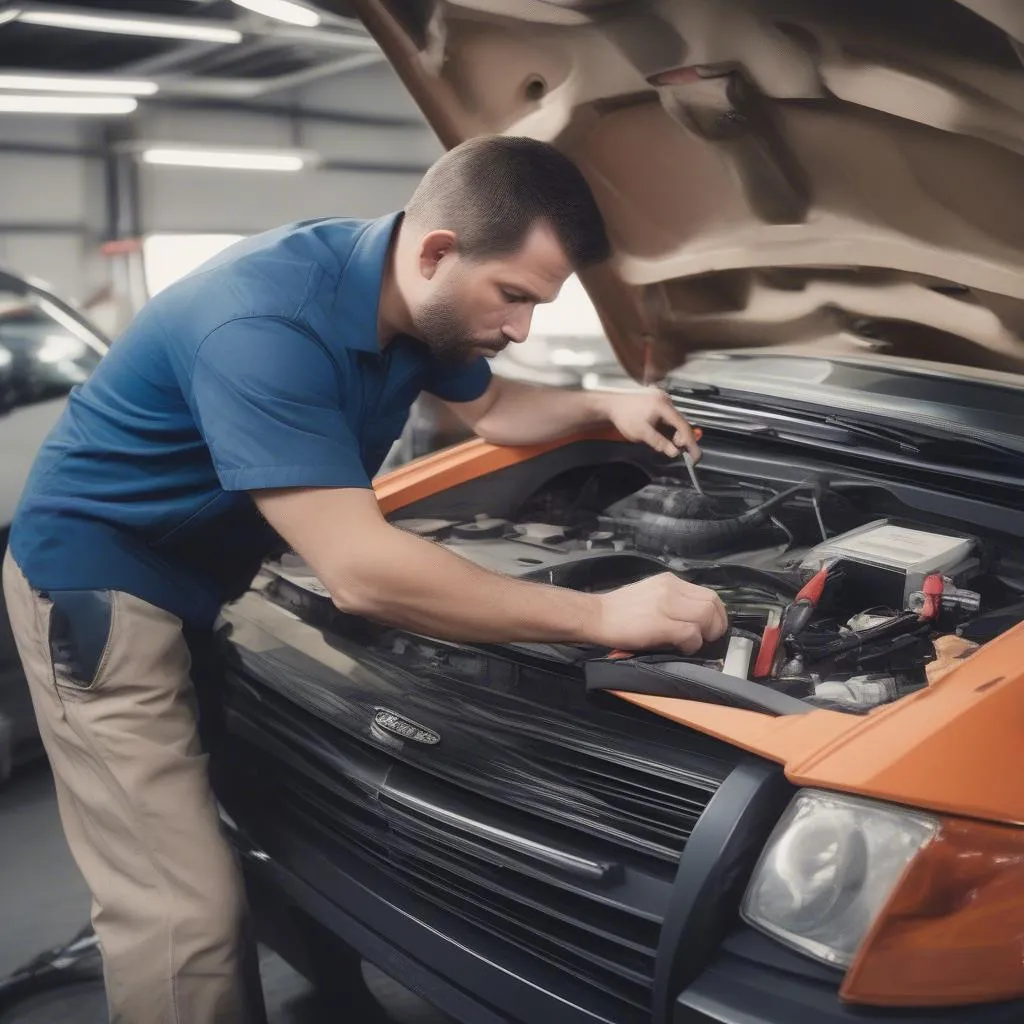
[[567, 859]]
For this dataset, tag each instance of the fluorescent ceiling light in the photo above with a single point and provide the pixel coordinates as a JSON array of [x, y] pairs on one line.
[[18, 103], [78, 84], [283, 10], [226, 159], [152, 27]]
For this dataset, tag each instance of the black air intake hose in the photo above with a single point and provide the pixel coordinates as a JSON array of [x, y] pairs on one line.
[[666, 534], [676, 503]]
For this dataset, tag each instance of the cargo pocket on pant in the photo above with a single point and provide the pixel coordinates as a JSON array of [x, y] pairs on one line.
[[80, 630]]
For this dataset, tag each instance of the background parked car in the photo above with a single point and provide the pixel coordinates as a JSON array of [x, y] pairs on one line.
[[46, 349]]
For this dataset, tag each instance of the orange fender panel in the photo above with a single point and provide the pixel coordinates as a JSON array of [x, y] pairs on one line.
[[953, 747], [435, 473]]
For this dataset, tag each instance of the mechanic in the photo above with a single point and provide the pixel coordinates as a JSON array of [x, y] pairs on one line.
[[253, 401]]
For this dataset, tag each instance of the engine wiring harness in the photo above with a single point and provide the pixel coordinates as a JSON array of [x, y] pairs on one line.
[[850, 626]]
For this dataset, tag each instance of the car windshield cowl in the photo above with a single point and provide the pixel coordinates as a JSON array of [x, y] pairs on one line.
[[937, 446], [859, 406]]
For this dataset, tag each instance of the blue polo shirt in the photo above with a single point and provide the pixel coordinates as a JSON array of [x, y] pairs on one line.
[[260, 370]]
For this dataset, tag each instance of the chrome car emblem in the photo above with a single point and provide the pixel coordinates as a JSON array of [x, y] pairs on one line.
[[403, 728]]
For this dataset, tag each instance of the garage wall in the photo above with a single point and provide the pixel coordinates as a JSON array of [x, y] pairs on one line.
[[60, 201], [52, 207], [373, 91], [181, 199], [187, 199]]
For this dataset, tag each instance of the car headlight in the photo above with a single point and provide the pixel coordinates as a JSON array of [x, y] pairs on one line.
[[828, 869]]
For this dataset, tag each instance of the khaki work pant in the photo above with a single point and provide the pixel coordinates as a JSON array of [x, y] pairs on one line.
[[140, 817]]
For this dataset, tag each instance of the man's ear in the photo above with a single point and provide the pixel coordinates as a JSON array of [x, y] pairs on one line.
[[434, 247]]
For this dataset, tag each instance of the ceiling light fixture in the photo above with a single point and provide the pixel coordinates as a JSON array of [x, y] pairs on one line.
[[224, 159], [79, 84], [21, 103], [152, 27], [283, 10]]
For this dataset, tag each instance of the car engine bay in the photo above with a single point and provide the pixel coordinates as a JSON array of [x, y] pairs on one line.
[[834, 598]]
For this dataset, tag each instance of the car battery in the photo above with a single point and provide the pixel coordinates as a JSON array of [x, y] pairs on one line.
[[882, 563]]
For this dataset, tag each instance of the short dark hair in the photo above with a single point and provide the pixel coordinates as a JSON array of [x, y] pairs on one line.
[[491, 191]]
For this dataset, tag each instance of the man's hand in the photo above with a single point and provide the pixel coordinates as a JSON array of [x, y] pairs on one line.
[[510, 412], [637, 417], [660, 611]]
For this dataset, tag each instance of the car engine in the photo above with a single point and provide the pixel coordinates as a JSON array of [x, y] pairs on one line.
[[831, 600]]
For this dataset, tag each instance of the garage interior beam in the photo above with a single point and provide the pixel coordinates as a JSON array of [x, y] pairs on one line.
[[253, 88], [44, 228], [49, 149], [329, 165], [172, 60], [180, 83], [372, 167], [229, 106]]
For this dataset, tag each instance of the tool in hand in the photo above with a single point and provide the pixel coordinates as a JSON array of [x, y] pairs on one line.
[[817, 493], [691, 468]]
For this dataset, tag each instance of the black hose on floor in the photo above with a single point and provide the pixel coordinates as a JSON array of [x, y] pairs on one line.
[[73, 963]]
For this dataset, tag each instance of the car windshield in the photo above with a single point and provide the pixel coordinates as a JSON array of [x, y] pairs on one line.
[[43, 352]]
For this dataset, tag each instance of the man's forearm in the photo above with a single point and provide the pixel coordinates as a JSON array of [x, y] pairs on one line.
[[408, 582], [374, 569], [527, 414]]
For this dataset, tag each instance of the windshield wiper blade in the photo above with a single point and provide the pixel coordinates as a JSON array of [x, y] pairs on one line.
[[715, 403], [924, 438], [767, 421], [887, 435]]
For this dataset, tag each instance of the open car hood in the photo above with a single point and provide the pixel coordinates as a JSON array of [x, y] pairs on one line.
[[840, 175]]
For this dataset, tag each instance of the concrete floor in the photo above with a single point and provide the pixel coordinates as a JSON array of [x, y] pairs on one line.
[[45, 902]]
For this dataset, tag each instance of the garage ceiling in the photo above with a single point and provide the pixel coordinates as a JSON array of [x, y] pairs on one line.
[[250, 59]]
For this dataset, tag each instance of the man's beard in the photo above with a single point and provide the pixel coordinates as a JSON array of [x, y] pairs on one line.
[[440, 327]]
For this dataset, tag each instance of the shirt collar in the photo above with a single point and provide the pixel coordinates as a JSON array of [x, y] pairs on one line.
[[358, 296]]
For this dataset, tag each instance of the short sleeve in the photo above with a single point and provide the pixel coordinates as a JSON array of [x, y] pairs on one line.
[[458, 383], [268, 400]]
